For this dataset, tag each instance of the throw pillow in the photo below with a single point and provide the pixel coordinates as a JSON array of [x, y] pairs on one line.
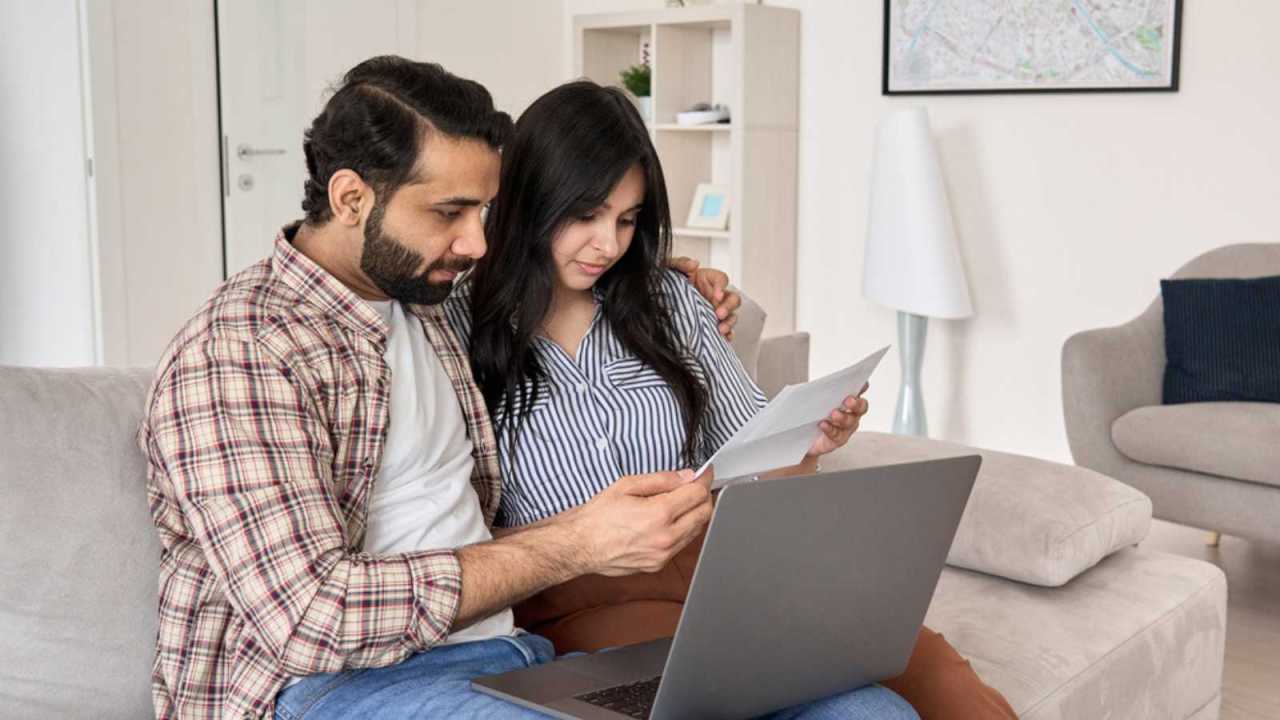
[[1222, 340]]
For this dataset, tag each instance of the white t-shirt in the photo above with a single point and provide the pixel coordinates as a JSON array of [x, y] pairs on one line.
[[422, 496]]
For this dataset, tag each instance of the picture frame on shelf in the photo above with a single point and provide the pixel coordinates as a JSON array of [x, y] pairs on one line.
[[710, 207]]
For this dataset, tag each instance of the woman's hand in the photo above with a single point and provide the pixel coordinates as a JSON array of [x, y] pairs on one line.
[[840, 425], [713, 285]]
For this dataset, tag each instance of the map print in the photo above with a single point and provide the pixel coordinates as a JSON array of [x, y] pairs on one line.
[[939, 45]]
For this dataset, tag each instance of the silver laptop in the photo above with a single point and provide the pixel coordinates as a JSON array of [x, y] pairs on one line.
[[806, 587]]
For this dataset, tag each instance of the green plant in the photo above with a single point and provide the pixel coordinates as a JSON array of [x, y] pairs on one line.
[[636, 80]]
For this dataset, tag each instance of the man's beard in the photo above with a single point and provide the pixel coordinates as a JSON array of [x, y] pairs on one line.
[[390, 265]]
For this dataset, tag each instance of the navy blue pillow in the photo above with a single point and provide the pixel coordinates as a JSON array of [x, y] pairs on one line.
[[1222, 340]]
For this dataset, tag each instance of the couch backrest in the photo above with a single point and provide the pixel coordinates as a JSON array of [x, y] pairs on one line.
[[1234, 261], [1229, 261], [747, 335], [1244, 260], [78, 552]]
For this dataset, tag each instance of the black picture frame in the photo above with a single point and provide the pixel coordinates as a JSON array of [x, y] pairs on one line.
[[1171, 87]]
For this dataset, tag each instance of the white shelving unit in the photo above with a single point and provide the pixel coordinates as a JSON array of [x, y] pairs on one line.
[[747, 58]]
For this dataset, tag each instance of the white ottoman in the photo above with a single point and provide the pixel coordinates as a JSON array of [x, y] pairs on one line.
[[1107, 630], [1140, 635]]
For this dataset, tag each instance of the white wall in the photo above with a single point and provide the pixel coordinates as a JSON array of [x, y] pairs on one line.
[[1069, 207], [46, 277], [514, 48], [146, 113]]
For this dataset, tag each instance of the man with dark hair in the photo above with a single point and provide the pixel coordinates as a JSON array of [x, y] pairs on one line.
[[322, 470]]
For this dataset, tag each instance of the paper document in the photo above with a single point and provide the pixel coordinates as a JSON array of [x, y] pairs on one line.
[[781, 433]]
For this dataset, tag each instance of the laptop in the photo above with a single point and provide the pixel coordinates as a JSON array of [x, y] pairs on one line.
[[806, 587]]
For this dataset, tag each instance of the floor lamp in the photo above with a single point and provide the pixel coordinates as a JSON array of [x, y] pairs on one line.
[[912, 262]]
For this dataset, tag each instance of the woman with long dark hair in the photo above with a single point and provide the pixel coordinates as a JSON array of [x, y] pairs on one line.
[[597, 361]]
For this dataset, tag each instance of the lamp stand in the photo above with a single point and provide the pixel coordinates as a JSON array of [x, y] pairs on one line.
[[909, 419]]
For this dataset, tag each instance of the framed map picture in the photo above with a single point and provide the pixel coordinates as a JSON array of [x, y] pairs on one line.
[[963, 46]]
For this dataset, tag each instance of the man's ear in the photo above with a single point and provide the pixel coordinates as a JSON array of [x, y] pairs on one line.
[[350, 197]]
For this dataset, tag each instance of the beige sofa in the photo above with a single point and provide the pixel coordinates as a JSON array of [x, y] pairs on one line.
[[1139, 635], [1211, 465]]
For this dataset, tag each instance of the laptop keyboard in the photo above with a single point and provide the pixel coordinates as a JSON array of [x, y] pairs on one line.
[[633, 699]]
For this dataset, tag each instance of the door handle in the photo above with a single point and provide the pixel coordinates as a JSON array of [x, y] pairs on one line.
[[226, 170], [244, 152]]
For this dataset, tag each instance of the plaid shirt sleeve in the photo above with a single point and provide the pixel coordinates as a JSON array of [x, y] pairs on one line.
[[248, 457]]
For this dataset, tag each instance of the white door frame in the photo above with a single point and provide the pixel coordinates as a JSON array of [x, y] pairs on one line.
[[154, 242]]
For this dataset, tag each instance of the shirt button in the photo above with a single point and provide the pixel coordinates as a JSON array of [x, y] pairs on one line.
[[601, 443], [582, 388]]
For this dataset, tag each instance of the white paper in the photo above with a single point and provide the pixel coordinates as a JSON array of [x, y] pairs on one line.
[[781, 433]]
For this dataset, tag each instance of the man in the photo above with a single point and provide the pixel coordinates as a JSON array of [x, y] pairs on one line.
[[270, 439]]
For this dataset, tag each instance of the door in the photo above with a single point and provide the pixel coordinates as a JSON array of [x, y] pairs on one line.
[[276, 61]]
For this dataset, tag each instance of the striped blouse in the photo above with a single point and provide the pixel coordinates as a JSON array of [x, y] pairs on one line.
[[607, 414]]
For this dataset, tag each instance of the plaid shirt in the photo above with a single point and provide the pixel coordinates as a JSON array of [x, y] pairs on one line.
[[264, 430]]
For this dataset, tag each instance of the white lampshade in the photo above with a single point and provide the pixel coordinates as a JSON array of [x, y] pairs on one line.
[[912, 260]]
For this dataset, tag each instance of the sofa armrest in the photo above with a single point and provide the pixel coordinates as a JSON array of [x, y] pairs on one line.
[[747, 332], [784, 360], [1106, 373]]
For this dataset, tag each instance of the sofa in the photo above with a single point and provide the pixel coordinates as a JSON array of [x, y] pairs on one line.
[[1134, 634], [1211, 465]]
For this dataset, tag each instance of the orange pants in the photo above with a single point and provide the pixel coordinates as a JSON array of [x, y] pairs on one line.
[[595, 612]]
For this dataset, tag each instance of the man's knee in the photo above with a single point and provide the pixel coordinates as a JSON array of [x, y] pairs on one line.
[[890, 705], [873, 702]]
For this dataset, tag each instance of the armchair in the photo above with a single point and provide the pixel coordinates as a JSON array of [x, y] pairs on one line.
[[1210, 465]]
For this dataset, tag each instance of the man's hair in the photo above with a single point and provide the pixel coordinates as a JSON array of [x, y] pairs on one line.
[[376, 121]]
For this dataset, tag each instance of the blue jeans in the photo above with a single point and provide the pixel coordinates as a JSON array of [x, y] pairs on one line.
[[437, 684]]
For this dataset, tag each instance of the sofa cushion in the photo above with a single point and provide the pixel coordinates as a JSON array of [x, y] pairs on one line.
[[784, 360], [1231, 439], [747, 334], [1030, 520], [1140, 635], [1220, 339], [80, 557]]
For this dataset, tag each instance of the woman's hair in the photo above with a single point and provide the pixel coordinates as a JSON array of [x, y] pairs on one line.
[[568, 152]]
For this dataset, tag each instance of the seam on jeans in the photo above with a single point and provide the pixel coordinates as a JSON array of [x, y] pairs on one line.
[[525, 651], [323, 692]]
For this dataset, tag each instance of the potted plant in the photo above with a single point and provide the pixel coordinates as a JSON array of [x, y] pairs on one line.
[[636, 80]]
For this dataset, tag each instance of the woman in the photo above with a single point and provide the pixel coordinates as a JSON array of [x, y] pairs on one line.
[[598, 362]]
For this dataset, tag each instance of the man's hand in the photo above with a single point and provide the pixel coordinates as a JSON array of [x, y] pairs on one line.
[[714, 286], [636, 525], [641, 521], [840, 425]]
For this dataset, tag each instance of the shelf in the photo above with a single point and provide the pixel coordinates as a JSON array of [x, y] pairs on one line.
[[673, 127], [695, 232], [745, 57], [709, 17]]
